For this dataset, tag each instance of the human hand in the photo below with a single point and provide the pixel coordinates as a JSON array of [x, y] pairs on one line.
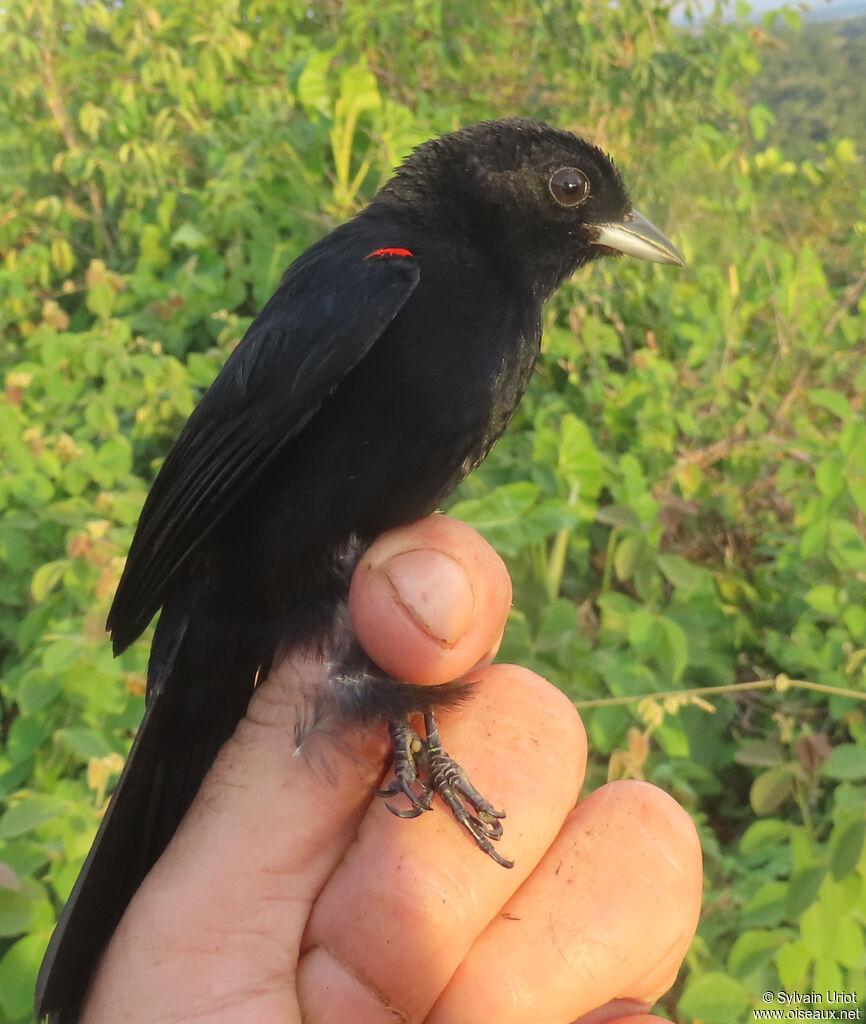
[[291, 894]]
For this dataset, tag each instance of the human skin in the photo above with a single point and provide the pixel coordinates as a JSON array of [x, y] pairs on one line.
[[291, 894]]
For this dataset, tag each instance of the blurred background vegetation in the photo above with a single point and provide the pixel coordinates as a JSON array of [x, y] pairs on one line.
[[681, 497]]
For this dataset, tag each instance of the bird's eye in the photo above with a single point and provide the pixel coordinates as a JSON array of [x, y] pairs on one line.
[[569, 186]]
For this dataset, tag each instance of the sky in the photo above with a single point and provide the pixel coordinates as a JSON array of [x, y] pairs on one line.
[[819, 8], [770, 5], [816, 6]]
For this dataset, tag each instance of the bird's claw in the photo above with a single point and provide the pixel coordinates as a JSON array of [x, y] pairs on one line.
[[470, 809], [420, 802], [442, 775], [408, 747]]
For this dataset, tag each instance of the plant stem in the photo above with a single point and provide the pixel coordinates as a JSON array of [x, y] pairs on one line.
[[559, 551], [780, 683], [608, 559]]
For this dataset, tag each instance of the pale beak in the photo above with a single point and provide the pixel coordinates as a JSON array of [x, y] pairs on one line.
[[634, 235]]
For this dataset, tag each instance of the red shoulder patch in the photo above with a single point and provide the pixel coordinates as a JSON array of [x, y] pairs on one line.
[[380, 254]]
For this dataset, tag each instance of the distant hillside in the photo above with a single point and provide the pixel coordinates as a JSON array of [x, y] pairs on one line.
[[837, 12], [814, 82]]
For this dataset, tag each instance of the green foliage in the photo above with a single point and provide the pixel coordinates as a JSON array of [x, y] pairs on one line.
[[681, 497], [813, 84]]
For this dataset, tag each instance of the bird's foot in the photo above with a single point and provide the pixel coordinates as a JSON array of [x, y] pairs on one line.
[[443, 775], [408, 754]]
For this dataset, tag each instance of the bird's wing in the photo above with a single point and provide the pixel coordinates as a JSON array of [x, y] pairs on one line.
[[321, 322]]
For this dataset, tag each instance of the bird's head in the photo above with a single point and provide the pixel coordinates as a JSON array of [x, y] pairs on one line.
[[536, 199]]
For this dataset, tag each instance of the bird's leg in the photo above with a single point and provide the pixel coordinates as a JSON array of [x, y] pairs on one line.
[[424, 762], [408, 751], [450, 781], [421, 767]]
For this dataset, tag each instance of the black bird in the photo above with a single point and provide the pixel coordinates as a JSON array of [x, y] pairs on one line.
[[380, 373]]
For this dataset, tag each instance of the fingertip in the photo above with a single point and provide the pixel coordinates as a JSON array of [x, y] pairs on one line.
[[429, 601], [665, 842], [618, 893]]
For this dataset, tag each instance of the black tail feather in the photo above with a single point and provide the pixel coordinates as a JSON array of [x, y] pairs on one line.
[[192, 710]]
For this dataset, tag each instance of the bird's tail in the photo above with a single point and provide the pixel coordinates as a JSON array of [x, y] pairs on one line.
[[198, 689]]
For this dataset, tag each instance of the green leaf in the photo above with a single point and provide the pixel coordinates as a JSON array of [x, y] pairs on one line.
[[498, 514], [628, 555], [759, 753], [151, 252], [764, 836], [15, 912], [826, 974], [313, 83], [792, 961], [18, 970], [359, 89], [818, 930], [100, 299], [846, 846], [766, 907], [803, 889], [814, 539], [854, 617], [517, 644], [678, 646], [28, 812], [621, 516], [847, 762], [672, 737], [752, 950], [679, 572], [23, 857], [848, 945], [59, 655], [845, 151], [833, 401], [642, 627], [578, 459], [823, 598], [23, 909], [714, 998], [830, 476], [37, 691], [848, 549], [771, 789], [84, 743], [607, 728], [25, 736], [116, 456], [793, 18], [190, 236], [760, 117], [46, 578]]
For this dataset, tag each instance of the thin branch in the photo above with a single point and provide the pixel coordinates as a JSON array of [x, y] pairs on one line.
[[779, 683], [848, 299]]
